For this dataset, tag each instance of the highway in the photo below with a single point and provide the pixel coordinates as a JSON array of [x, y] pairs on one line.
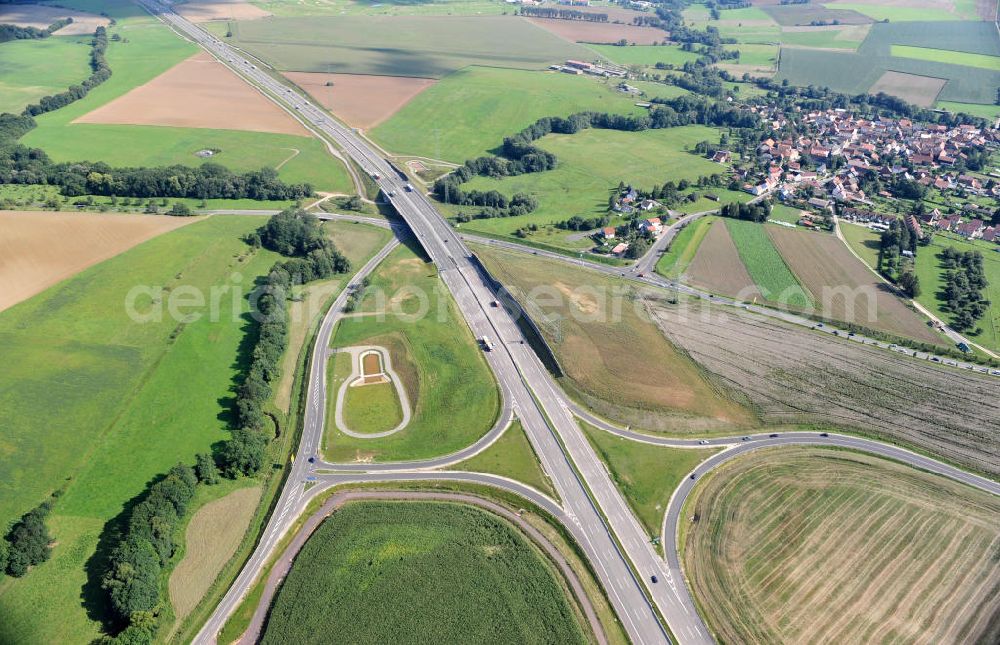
[[595, 511], [609, 532]]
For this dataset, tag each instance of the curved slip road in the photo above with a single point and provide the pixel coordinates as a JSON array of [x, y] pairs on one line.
[[597, 513]]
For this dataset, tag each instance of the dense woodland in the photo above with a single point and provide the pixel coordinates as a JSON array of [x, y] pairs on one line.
[[965, 281], [14, 32]]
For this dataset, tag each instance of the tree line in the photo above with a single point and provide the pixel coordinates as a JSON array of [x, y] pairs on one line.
[[894, 242], [563, 14], [964, 283], [99, 72], [757, 212], [132, 577], [15, 32]]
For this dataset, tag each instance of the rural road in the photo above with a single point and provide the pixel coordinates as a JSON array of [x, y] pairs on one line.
[[596, 512]]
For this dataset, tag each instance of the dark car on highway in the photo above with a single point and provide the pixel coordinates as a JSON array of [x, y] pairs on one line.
[[772, 435], [654, 579]]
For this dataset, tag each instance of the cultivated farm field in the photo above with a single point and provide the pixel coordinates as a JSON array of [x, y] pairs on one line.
[[41, 16], [841, 383], [470, 111], [580, 31], [913, 88], [421, 46], [358, 100], [435, 572], [614, 358], [845, 289], [31, 69], [805, 545], [41, 249], [716, 265], [121, 401], [453, 394], [765, 264]]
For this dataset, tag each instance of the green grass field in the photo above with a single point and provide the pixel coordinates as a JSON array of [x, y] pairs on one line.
[[757, 55], [931, 276], [450, 387], [645, 55], [903, 14], [99, 404], [765, 265], [946, 56], [985, 111], [472, 110], [372, 408], [682, 249], [646, 474], [430, 572], [423, 46], [846, 37], [296, 8], [511, 456], [31, 69], [150, 50], [786, 214], [591, 163], [863, 241]]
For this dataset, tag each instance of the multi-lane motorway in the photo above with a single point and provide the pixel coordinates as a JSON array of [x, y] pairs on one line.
[[591, 505]]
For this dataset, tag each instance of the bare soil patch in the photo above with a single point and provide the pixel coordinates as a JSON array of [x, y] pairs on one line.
[[208, 10], [578, 31], [212, 537], [362, 101], [810, 545], [844, 288], [40, 249], [199, 92], [794, 375], [41, 16], [919, 90], [717, 266]]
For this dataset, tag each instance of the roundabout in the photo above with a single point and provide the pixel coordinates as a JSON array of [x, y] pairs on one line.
[[371, 370]]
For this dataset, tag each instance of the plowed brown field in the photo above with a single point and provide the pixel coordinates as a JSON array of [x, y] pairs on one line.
[[200, 92], [360, 100], [843, 288], [579, 31], [206, 10], [41, 16], [38, 249]]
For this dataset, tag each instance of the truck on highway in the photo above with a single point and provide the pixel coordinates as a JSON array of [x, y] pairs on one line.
[[486, 343]]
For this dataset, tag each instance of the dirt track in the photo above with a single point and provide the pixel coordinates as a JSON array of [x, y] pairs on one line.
[[285, 561], [360, 100], [39, 249], [197, 93]]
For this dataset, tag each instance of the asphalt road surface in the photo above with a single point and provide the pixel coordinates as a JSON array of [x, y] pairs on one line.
[[595, 511]]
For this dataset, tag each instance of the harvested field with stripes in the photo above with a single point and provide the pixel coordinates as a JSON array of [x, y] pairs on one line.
[[795, 375], [814, 545], [717, 266]]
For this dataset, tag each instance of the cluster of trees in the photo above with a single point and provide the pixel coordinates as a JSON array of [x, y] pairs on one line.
[[757, 212], [965, 281], [577, 223], [27, 543], [893, 242], [14, 32], [563, 14], [99, 72], [907, 188]]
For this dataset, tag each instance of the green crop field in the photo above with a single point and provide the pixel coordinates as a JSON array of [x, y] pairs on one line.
[[615, 359], [424, 46], [31, 69], [946, 56], [511, 456], [806, 545], [903, 14], [372, 408], [856, 72], [99, 404], [985, 111], [675, 260], [591, 163], [297, 8], [931, 274], [472, 110], [646, 474], [433, 572], [757, 55], [806, 14], [150, 50], [647, 55], [765, 265], [451, 389]]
